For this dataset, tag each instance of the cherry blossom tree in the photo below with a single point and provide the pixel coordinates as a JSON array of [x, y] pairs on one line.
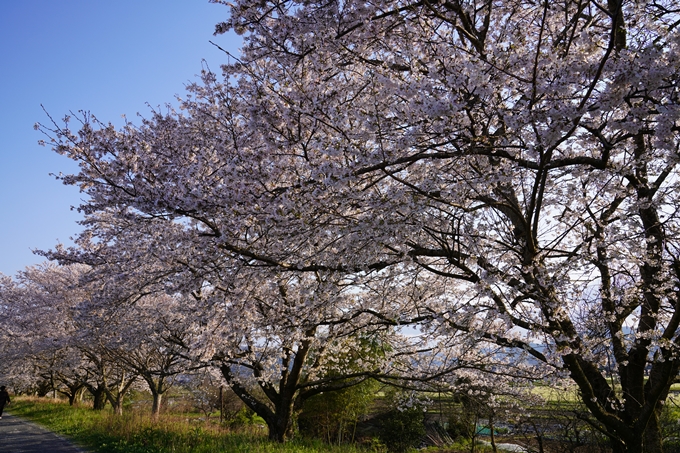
[[131, 333], [54, 332], [108, 380], [148, 343], [40, 326], [276, 338], [525, 150], [15, 371], [519, 156]]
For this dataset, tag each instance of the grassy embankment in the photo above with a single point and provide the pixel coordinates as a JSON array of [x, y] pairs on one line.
[[136, 432]]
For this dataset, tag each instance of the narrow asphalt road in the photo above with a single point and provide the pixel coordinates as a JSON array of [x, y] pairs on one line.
[[19, 436]]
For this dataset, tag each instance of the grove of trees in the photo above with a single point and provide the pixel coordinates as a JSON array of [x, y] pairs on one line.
[[439, 195]]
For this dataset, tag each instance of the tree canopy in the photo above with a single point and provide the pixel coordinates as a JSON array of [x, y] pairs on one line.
[[507, 169]]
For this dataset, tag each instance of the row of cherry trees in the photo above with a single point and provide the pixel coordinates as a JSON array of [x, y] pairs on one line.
[[275, 342], [485, 188], [55, 338]]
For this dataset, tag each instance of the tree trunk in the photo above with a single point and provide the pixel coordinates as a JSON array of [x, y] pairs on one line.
[[632, 443], [473, 443], [157, 389], [652, 435], [221, 404], [116, 402], [284, 395], [280, 426], [74, 396], [98, 398], [43, 389], [72, 393], [115, 394], [117, 407], [280, 420], [539, 437], [157, 401]]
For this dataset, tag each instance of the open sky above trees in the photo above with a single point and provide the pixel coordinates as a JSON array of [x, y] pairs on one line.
[[111, 58]]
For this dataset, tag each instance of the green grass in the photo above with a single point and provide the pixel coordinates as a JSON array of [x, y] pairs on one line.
[[133, 432], [550, 394]]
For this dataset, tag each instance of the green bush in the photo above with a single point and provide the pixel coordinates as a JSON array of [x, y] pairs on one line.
[[402, 429], [333, 416], [672, 445], [461, 426], [670, 428], [244, 417]]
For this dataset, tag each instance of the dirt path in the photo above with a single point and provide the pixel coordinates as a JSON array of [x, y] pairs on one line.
[[20, 436]]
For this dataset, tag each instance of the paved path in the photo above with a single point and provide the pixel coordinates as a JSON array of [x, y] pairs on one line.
[[19, 436]]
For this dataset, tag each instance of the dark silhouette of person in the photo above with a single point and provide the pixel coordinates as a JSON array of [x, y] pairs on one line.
[[4, 399]]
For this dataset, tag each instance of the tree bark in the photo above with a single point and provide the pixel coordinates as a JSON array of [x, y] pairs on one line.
[[74, 395], [99, 398], [280, 420], [652, 435], [157, 401], [117, 407], [157, 388], [281, 426], [116, 393]]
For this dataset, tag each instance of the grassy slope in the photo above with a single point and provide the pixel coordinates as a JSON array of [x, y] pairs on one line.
[[134, 433]]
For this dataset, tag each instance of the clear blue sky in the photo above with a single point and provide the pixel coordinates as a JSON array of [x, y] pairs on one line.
[[108, 57]]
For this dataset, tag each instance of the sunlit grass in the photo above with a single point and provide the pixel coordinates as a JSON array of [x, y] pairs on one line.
[[556, 395], [136, 432]]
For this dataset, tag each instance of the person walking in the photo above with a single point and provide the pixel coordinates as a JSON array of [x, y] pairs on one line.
[[4, 399]]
